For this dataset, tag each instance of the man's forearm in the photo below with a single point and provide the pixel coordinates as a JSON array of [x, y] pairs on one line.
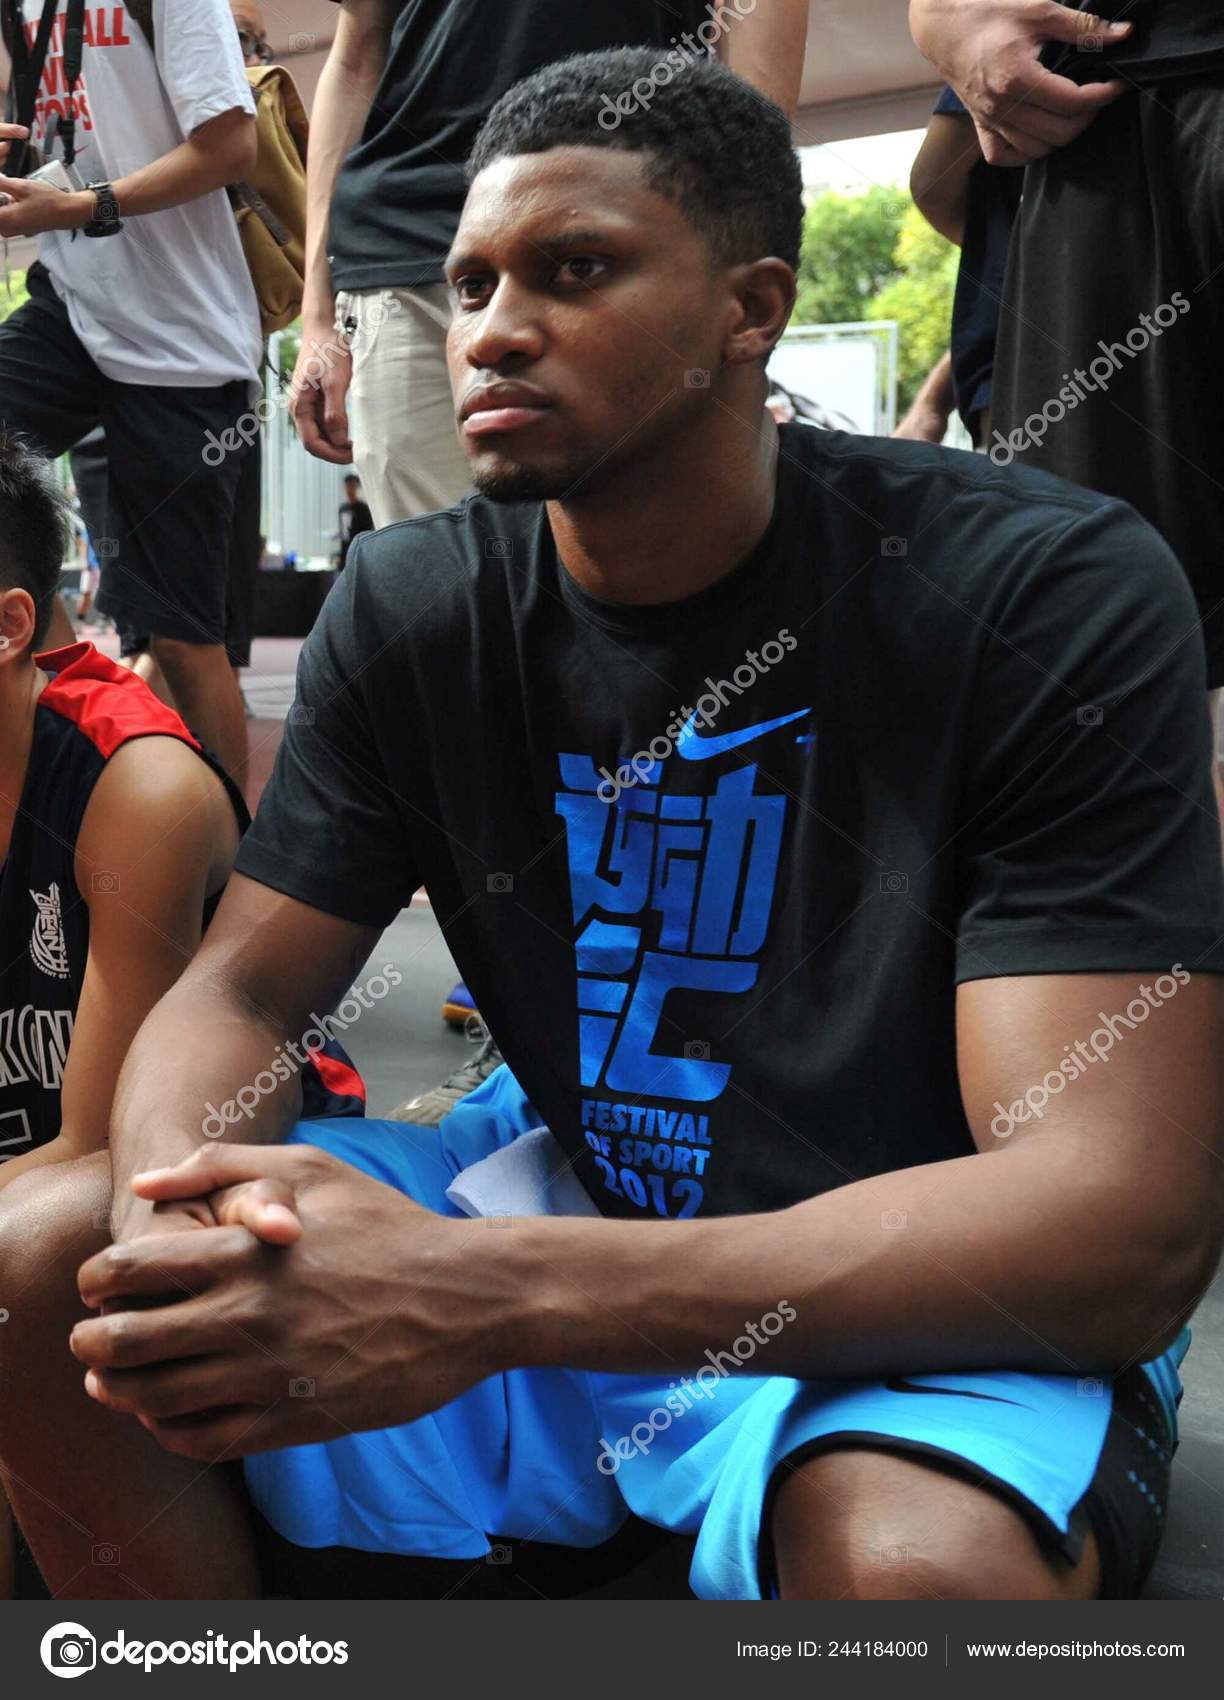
[[204, 1066], [342, 101], [217, 154], [766, 46], [1027, 1259]]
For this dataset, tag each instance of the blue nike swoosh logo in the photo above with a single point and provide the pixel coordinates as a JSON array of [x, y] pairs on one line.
[[693, 747]]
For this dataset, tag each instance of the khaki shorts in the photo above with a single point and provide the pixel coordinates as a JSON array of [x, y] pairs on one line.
[[401, 413]]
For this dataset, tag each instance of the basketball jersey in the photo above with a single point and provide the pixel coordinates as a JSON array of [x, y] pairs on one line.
[[89, 709]]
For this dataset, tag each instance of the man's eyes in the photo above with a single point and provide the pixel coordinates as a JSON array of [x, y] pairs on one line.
[[579, 270], [583, 268]]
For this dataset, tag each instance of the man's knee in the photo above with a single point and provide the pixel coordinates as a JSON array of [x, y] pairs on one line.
[[51, 1220], [175, 656], [867, 1524]]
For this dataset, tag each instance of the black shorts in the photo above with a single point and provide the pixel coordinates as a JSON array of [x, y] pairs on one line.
[[242, 574], [1127, 221], [169, 513]]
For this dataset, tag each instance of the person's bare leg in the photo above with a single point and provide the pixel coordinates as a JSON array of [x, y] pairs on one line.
[[205, 689], [107, 1513], [61, 632], [8, 1551], [1215, 701], [874, 1525], [144, 667]]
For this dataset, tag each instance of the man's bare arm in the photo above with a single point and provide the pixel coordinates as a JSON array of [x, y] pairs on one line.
[[939, 177], [766, 47], [266, 966], [354, 65], [1077, 1242], [1076, 1245], [158, 836], [989, 51], [220, 152]]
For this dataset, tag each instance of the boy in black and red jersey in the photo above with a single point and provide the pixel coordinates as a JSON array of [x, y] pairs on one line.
[[117, 834]]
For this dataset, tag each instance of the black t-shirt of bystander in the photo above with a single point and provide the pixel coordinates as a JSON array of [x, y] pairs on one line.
[[1171, 38], [401, 189], [713, 870]]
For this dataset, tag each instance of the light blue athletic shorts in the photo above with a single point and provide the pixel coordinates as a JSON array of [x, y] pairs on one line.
[[563, 1456]]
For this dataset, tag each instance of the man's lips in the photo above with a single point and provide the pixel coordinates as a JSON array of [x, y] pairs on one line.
[[501, 407]]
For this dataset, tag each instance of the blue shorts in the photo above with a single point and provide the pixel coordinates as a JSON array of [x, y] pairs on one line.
[[562, 1456]]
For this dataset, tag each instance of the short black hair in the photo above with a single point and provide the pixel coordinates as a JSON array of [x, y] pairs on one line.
[[33, 529], [720, 149]]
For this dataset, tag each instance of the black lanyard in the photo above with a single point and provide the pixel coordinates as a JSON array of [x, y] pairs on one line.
[[28, 69]]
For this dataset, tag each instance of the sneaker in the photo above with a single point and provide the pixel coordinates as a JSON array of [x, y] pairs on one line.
[[429, 1109], [459, 1007]]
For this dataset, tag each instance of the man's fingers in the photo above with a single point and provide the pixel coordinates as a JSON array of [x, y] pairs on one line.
[[1059, 23], [1013, 99], [266, 1207], [214, 1166], [135, 1339], [220, 1435], [172, 1266], [183, 1389], [1044, 129], [1065, 99], [1006, 146], [305, 413]]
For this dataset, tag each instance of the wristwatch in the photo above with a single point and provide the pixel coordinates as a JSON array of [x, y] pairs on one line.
[[105, 221]]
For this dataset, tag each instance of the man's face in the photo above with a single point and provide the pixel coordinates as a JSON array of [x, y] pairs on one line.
[[352, 489], [588, 322], [252, 31]]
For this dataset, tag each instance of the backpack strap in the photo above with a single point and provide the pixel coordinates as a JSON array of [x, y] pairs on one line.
[[27, 72]]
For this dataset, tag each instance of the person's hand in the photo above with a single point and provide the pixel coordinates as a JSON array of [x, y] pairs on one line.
[[374, 1314], [318, 392], [988, 50], [27, 208], [10, 133]]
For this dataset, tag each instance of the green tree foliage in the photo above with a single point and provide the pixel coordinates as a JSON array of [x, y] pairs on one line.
[[849, 253], [874, 256], [919, 298], [13, 296]]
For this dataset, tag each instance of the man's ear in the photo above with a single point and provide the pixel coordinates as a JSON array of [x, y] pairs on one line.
[[765, 292], [17, 620]]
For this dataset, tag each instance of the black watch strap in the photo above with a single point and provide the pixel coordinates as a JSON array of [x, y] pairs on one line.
[[106, 220]]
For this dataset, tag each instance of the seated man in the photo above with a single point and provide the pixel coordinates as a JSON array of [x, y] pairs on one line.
[[830, 821], [118, 832]]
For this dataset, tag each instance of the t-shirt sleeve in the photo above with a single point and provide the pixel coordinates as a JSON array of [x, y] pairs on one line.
[[1089, 837], [329, 829], [200, 61], [950, 105]]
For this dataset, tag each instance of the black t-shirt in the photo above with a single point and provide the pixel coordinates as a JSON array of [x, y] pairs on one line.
[[954, 729], [401, 189], [991, 203], [1171, 38]]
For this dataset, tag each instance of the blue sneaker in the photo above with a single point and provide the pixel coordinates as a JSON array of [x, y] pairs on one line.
[[459, 1007]]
